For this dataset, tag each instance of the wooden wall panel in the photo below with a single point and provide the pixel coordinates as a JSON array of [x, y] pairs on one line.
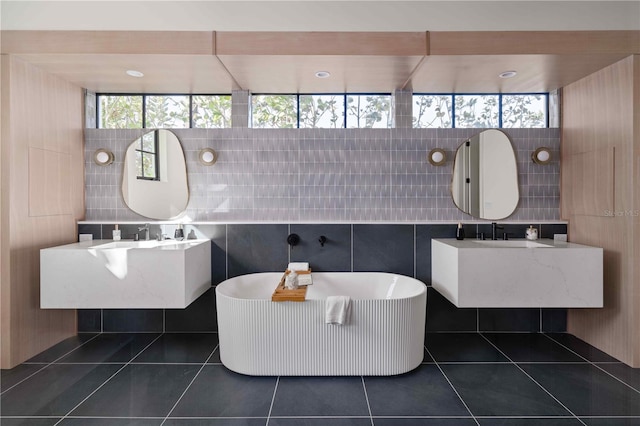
[[636, 201], [49, 183], [600, 114], [321, 43], [5, 288], [592, 181], [42, 116], [111, 42], [612, 328], [533, 42]]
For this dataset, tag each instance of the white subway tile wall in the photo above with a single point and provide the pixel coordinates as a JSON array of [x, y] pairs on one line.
[[323, 175]]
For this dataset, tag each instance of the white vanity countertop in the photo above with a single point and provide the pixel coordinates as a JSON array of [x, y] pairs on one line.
[[517, 273], [124, 274], [131, 244], [471, 243]]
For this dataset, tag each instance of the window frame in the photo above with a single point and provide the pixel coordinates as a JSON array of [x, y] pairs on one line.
[[546, 108], [155, 154], [344, 109], [191, 96], [98, 95], [500, 103], [344, 95], [144, 106], [297, 95], [344, 101], [391, 109]]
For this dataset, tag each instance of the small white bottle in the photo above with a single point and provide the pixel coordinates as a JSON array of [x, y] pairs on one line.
[[116, 234]]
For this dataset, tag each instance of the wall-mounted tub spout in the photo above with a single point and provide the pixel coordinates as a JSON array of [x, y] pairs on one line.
[[322, 240]]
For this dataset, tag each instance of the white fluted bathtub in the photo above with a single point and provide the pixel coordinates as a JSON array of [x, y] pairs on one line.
[[384, 335]]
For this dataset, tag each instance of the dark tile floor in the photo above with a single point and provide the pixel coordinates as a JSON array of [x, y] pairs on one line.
[[176, 379]]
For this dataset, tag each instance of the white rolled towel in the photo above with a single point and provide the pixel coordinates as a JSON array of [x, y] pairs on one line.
[[291, 281], [337, 310], [298, 266]]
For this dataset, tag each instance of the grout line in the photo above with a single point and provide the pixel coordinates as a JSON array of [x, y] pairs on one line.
[[351, 247], [289, 247], [485, 331], [452, 387], [534, 380], [594, 364], [541, 329], [273, 398], [107, 381], [48, 364], [415, 251], [132, 362], [81, 417], [291, 417], [366, 397], [534, 417], [160, 332], [226, 252], [433, 360], [189, 385], [519, 362], [435, 417]]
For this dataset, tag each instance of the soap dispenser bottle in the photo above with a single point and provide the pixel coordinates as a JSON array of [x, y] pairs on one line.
[[460, 232], [531, 233], [116, 234], [179, 233]]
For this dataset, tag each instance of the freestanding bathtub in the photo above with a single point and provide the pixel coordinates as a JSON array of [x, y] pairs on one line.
[[384, 335]]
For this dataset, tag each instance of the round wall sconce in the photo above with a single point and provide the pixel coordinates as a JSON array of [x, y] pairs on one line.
[[207, 157], [103, 157], [437, 157], [541, 156]]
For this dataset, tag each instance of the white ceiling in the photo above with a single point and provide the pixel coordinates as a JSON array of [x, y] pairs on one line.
[[149, 15]]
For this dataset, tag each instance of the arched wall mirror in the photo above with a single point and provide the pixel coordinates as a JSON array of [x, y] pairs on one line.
[[485, 176], [154, 179]]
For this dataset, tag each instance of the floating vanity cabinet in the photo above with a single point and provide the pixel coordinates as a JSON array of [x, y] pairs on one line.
[[124, 274], [517, 273]]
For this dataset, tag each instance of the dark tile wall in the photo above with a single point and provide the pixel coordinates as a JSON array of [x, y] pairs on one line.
[[384, 248], [239, 249], [334, 256]]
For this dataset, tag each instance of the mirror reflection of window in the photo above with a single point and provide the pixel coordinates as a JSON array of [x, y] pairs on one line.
[[165, 197], [147, 157]]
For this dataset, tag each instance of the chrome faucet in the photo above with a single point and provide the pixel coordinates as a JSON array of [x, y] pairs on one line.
[[494, 230], [145, 228]]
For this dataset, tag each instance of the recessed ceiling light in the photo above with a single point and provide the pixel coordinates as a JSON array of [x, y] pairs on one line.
[[507, 74], [134, 73], [323, 74]]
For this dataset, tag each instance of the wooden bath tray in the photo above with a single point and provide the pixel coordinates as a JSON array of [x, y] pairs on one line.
[[282, 294]]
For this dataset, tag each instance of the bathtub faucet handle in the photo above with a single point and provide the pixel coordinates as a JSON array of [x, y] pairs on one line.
[[293, 239], [322, 240]]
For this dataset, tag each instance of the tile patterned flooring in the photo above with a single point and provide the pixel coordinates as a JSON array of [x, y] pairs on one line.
[[176, 379]]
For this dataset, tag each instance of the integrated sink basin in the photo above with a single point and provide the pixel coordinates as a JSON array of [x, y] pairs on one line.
[[126, 244], [517, 273], [511, 243], [110, 274]]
